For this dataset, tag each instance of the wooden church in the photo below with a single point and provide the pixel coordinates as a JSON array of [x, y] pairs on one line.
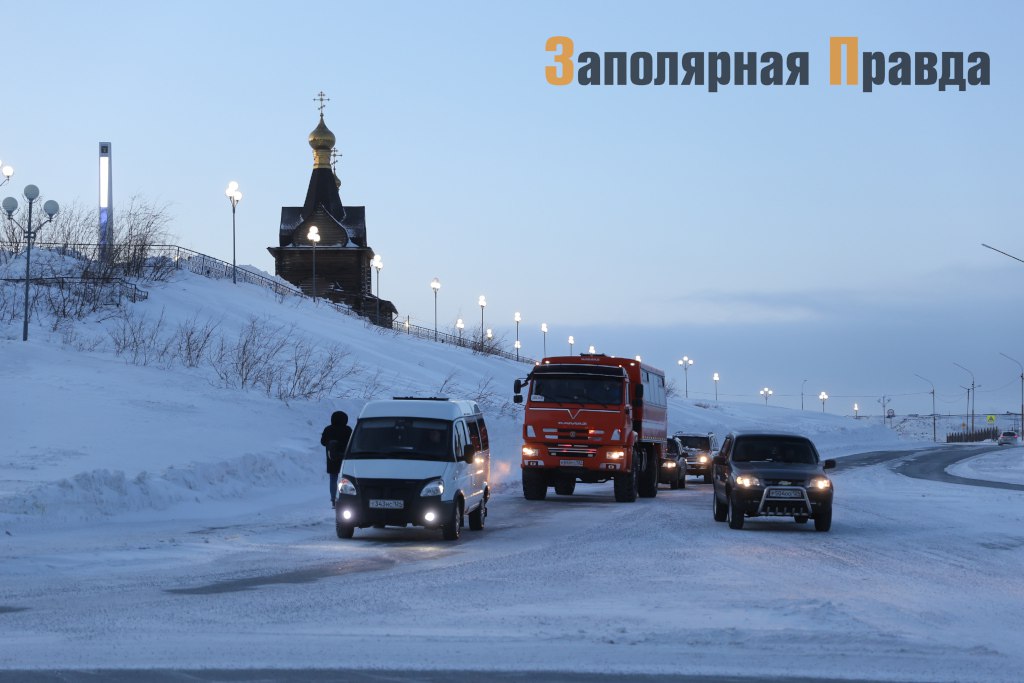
[[342, 256]]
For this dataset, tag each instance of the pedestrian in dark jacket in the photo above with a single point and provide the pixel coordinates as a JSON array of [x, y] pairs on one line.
[[335, 441]]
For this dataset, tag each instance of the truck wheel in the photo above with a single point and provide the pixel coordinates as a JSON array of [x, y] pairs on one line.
[[344, 530], [452, 529], [626, 486], [719, 510], [647, 485], [535, 485], [734, 515], [823, 519], [565, 486], [707, 477], [478, 516]]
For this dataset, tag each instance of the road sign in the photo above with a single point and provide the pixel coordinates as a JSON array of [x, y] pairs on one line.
[[991, 419]]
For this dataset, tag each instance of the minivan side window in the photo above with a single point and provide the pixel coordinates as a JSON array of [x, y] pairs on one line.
[[474, 433], [461, 438], [484, 441]]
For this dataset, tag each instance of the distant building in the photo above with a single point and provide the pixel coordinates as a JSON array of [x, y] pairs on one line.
[[343, 270]]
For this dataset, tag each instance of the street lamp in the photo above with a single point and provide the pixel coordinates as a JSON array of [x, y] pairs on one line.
[[377, 263], [1021, 386], [686, 362], [314, 237], [934, 435], [544, 330], [518, 346], [7, 171], [571, 342], [970, 403], [459, 325], [715, 378], [766, 392], [518, 318], [856, 409], [823, 397], [435, 285], [10, 205], [592, 349], [482, 302], [802, 394], [490, 334], [234, 196]]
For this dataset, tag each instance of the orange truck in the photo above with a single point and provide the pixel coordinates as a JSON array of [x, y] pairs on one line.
[[592, 418]]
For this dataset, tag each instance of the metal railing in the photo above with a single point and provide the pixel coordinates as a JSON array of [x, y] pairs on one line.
[[489, 347]]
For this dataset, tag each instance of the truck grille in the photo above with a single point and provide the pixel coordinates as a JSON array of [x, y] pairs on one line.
[[574, 433]]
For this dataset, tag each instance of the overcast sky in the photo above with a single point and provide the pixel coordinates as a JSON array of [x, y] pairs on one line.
[[774, 234]]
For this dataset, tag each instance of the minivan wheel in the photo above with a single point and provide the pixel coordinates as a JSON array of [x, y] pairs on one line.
[[344, 530], [478, 516], [452, 529], [735, 514]]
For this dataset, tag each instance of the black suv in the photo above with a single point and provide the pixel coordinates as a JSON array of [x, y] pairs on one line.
[[771, 474], [699, 449]]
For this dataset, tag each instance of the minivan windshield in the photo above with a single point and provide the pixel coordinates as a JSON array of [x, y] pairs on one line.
[[768, 449], [578, 389], [410, 438]]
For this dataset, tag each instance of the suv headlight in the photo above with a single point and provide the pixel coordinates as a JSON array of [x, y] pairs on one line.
[[819, 483], [746, 481], [346, 487], [702, 459], [433, 488]]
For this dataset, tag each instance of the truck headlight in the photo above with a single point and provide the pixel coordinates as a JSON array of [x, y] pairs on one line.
[[346, 487], [746, 481], [615, 455], [820, 483], [529, 452], [433, 488]]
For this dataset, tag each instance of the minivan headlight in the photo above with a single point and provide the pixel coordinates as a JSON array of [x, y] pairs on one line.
[[346, 487], [433, 488]]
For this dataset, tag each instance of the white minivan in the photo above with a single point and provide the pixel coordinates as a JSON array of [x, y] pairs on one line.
[[419, 461]]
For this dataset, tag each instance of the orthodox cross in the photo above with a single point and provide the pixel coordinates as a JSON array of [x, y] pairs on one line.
[[335, 155], [322, 98]]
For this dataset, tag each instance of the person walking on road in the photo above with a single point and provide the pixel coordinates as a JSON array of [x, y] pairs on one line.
[[335, 440]]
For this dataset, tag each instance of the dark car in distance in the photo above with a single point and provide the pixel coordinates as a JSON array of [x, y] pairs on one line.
[[699, 450], [773, 475], [672, 468]]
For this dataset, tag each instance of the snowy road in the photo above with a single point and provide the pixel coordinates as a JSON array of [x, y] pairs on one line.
[[907, 586]]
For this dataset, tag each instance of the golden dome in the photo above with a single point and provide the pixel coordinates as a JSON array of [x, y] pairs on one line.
[[322, 141]]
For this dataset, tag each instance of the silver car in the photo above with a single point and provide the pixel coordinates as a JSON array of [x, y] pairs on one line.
[[1009, 439]]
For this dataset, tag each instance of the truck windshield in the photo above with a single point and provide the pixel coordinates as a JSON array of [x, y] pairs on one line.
[[410, 438], [578, 389]]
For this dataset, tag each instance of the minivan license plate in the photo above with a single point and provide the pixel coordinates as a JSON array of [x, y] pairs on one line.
[[571, 463], [387, 504]]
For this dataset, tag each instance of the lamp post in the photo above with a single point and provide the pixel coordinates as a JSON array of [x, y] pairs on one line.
[[823, 397], [686, 362], [234, 196], [518, 318], [314, 238], [435, 285], [482, 302], [715, 378], [10, 205], [934, 434], [856, 410], [544, 331], [766, 392], [490, 335], [592, 349], [377, 263], [970, 392], [802, 394], [518, 346], [1021, 385], [7, 172], [459, 325], [571, 342]]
